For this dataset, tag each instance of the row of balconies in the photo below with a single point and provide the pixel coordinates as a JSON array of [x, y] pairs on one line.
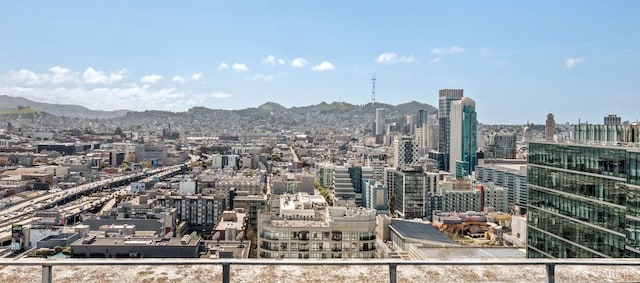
[[306, 248]]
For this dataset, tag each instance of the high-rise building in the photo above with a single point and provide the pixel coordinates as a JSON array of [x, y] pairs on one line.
[[343, 187], [446, 96], [494, 197], [422, 118], [612, 120], [501, 146], [404, 152], [411, 125], [375, 195], [584, 201], [511, 176], [550, 128], [463, 136], [380, 121], [411, 193]]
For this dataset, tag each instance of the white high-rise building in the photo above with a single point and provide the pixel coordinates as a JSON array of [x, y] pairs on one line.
[[405, 152], [380, 121], [460, 135]]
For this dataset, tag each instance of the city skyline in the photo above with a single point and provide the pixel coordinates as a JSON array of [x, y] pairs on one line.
[[518, 62]]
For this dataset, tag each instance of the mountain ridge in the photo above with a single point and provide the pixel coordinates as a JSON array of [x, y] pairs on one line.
[[12, 102]]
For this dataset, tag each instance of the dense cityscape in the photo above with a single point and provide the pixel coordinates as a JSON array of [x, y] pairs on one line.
[[332, 141], [367, 181]]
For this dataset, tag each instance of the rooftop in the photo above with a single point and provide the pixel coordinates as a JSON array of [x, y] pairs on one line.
[[420, 231]]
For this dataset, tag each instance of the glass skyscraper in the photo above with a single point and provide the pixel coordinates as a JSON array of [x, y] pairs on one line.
[[463, 137], [446, 96], [584, 201]]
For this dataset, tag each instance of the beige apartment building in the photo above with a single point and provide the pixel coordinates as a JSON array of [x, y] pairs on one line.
[[304, 226]]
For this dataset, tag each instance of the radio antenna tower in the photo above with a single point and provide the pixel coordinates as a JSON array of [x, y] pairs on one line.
[[373, 89]]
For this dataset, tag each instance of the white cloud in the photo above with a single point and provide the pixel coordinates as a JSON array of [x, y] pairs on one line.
[[223, 66], [572, 62], [435, 60], [391, 57], [118, 98], [151, 79], [239, 67], [484, 51], [62, 75], [56, 75], [261, 77], [179, 79], [219, 95], [299, 62], [324, 66], [272, 60], [92, 76], [451, 50], [24, 76], [196, 76]]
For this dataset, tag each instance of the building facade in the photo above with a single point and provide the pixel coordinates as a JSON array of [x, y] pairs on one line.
[[411, 193], [446, 96], [375, 195], [584, 201], [405, 152], [514, 180], [609, 134], [463, 143], [501, 146], [380, 122], [612, 120], [302, 227], [550, 128]]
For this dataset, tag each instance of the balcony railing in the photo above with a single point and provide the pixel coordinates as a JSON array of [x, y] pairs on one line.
[[549, 264], [269, 247]]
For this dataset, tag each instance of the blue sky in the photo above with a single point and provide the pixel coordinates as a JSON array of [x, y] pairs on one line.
[[519, 61]]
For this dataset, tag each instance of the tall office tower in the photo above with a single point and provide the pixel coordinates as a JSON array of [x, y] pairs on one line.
[[432, 134], [550, 128], [612, 120], [410, 193], [380, 124], [584, 201], [404, 152], [446, 97], [422, 118], [463, 137], [411, 125]]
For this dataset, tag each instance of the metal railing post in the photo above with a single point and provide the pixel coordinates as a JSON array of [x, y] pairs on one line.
[[47, 273], [226, 274], [551, 272], [393, 273]]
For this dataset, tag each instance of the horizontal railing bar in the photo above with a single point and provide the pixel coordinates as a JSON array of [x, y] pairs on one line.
[[173, 261]]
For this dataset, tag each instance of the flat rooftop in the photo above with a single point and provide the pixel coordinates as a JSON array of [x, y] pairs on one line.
[[472, 253], [133, 241]]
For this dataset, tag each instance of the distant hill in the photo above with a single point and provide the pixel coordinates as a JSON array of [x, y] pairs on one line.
[[11, 103], [272, 106], [414, 106]]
